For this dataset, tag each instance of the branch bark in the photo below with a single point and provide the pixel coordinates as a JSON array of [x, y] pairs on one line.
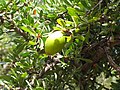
[[94, 7], [48, 67], [17, 30], [110, 60], [100, 52]]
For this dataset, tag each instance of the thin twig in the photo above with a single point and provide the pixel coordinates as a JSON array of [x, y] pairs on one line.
[[110, 60], [17, 30], [48, 67], [94, 7]]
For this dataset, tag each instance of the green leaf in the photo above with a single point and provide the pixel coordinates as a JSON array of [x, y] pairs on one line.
[[61, 22], [28, 30], [38, 88], [32, 43], [93, 19], [36, 25], [52, 16], [68, 2], [26, 54], [80, 5], [22, 0], [87, 36], [71, 11], [19, 48], [68, 23], [2, 2], [81, 37], [85, 4], [13, 72], [56, 28], [76, 20], [5, 77], [76, 1], [19, 64], [79, 10], [41, 13], [31, 20], [24, 75], [26, 21]]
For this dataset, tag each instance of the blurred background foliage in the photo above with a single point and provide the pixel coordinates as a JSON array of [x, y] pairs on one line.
[[81, 65]]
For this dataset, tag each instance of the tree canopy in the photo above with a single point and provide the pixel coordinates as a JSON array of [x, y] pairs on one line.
[[89, 60]]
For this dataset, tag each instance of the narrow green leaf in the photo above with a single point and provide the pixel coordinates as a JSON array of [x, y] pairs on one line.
[[61, 22], [68, 23], [5, 77], [71, 11], [76, 20], [19, 64], [79, 10], [38, 88], [28, 30], [22, 0], [87, 36], [81, 37], [32, 43], [68, 2], [26, 54], [56, 28], [13, 72], [52, 16], [2, 2], [31, 20], [24, 75], [93, 19], [19, 48], [84, 4]]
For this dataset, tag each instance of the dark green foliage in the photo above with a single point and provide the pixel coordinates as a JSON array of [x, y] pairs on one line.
[[85, 62]]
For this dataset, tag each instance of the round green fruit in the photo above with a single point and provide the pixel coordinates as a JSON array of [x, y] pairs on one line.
[[54, 43]]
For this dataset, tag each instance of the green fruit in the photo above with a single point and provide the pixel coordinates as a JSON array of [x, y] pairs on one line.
[[54, 43]]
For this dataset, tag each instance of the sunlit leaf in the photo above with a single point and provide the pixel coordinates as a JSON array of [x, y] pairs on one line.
[[28, 30], [76, 20], [19, 48], [24, 75], [38, 88], [61, 22], [68, 2], [71, 11], [2, 2], [32, 43]]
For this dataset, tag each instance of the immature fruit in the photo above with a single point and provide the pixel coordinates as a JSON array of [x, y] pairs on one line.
[[54, 43]]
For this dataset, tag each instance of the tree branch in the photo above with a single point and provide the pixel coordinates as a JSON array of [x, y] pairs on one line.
[[17, 30], [94, 7], [99, 51], [48, 67], [110, 60]]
